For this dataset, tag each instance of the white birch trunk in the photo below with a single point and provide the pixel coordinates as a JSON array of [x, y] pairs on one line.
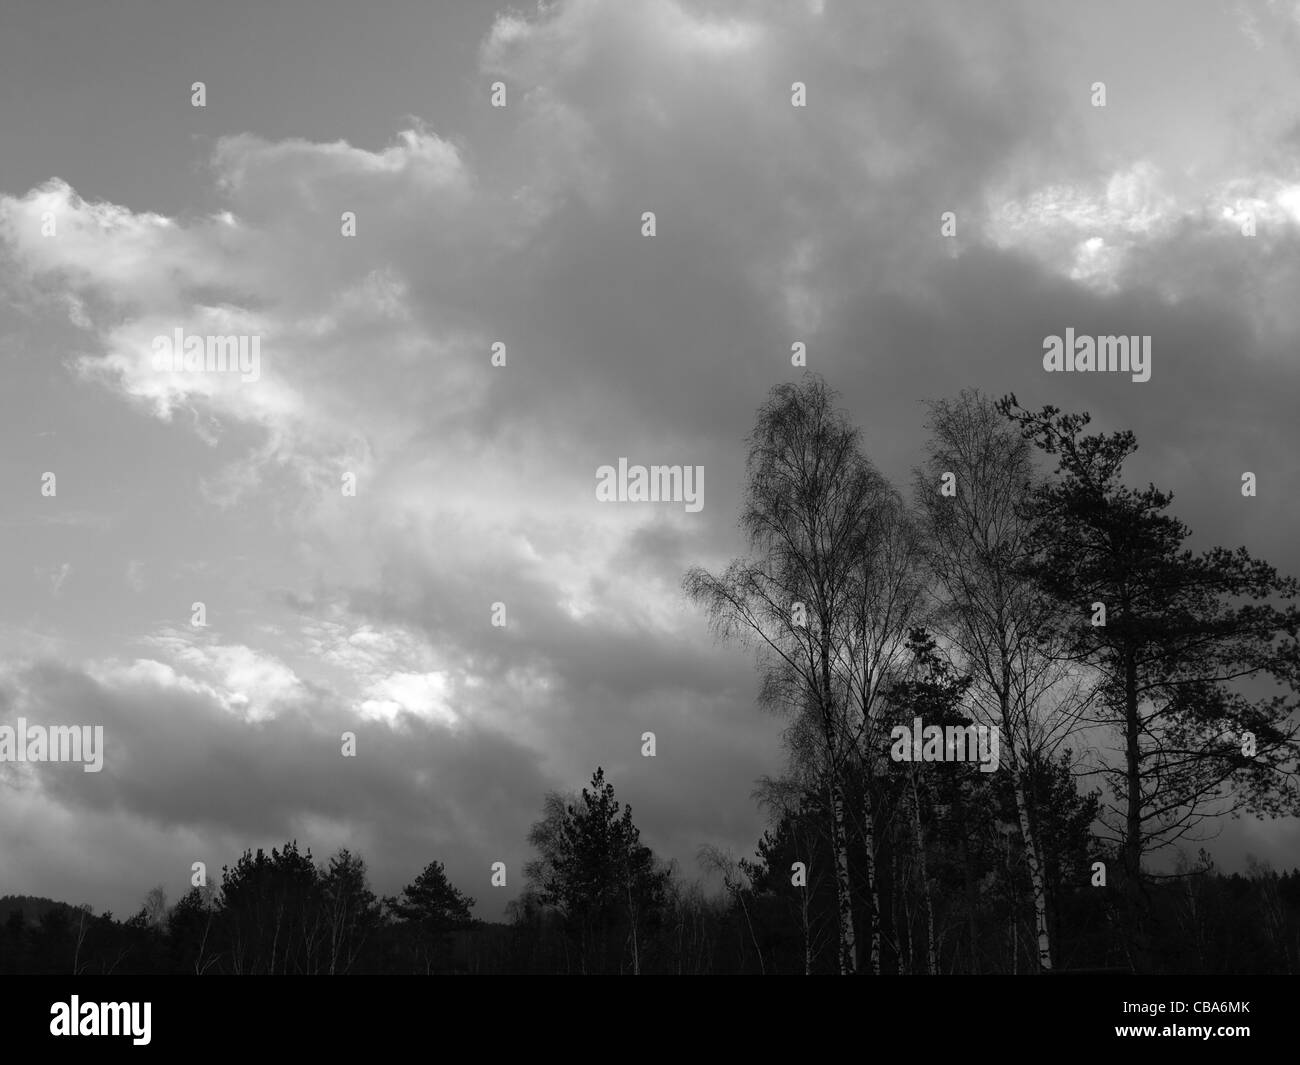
[[843, 886], [1031, 853], [869, 846]]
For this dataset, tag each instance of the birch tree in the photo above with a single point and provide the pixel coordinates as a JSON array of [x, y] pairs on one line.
[[808, 497], [973, 488], [886, 603]]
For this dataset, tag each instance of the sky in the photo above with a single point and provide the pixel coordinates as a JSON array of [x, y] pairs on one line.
[[522, 225]]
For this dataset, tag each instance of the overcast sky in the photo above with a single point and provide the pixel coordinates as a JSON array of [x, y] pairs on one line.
[[474, 483]]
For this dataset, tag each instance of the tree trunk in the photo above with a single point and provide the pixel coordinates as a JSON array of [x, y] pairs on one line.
[[1019, 775], [972, 889], [873, 886], [931, 959], [843, 887], [1133, 828], [807, 935]]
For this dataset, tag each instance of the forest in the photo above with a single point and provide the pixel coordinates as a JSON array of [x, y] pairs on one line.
[[1021, 584]]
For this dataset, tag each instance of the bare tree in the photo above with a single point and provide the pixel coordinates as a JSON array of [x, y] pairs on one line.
[[734, 880], [972, 491], [808, 499], [155, 907], [84, 913], [887, 602]]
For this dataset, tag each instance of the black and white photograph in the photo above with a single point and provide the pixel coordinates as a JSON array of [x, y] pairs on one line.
[[650, 488]]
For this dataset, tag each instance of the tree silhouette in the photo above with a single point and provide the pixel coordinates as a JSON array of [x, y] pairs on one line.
[[995, 618], [1180, 634], [431, 909], [810, 498], [593, 866]]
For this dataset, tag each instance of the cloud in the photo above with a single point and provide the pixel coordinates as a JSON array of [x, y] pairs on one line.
[[1233, 240], [177, 760], [475, 483]]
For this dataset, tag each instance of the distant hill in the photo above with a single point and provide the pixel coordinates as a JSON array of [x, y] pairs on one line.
[[32, 907]]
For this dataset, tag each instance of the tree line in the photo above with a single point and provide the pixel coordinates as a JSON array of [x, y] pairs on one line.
[[1142, 691]]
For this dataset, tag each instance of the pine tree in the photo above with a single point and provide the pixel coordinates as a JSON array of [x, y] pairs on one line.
[[431, 908], [1179, 634]]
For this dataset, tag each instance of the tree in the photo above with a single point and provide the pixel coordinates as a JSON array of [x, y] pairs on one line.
[[1173, 635], [798, 835], [594, 868], [886, 602], [270, 906], [352, 912], [934, 693], [155, 907], [809, 499], [995, 617], [737, 881], [431, 908], [84, 914], [190, 929]]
